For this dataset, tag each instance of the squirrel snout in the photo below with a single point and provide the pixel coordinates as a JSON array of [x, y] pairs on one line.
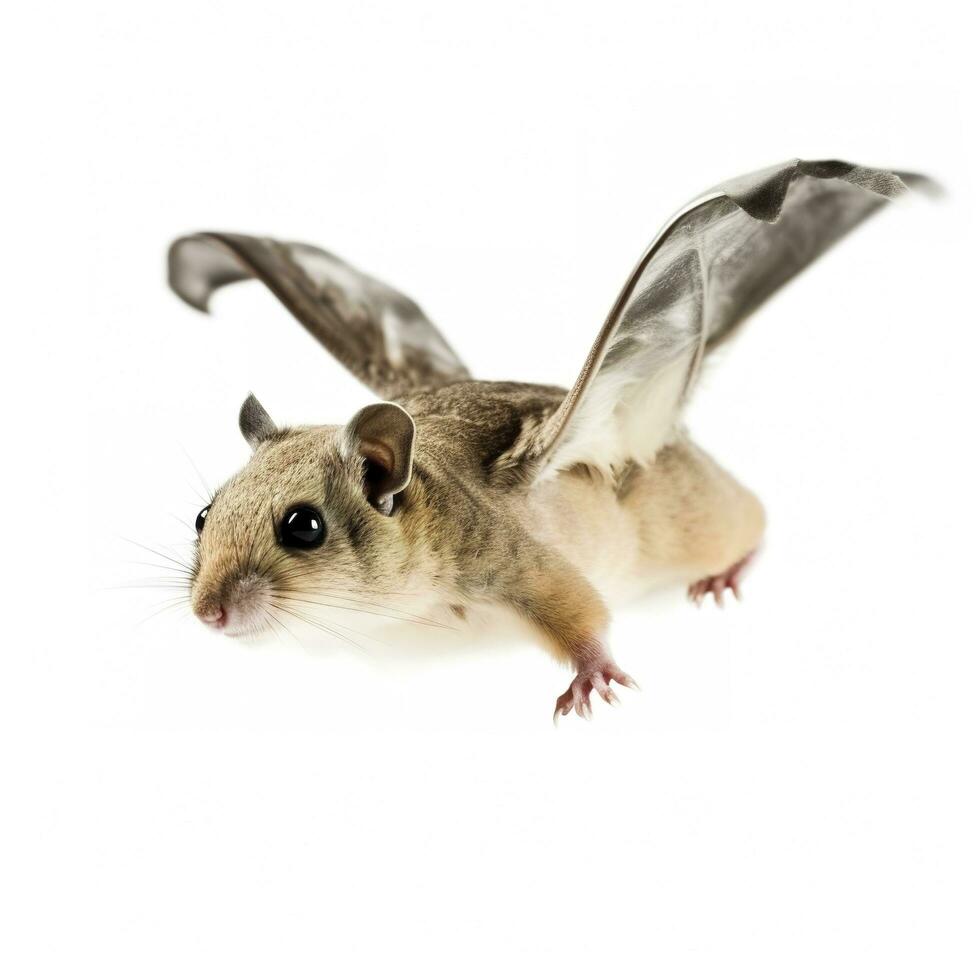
[[234, 604], [216, 615]]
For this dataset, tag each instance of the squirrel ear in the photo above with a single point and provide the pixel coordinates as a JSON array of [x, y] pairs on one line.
[[254, 422], [383, 435]]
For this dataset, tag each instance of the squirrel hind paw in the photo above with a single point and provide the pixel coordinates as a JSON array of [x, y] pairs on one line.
[[716, 585]]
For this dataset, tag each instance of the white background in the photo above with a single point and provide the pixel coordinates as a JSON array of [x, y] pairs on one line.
[[794, 792]]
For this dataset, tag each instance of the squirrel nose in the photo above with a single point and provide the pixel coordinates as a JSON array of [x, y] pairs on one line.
[[215, 616]]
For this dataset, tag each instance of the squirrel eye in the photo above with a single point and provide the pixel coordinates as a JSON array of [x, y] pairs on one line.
[[302, 527], [201, 518]]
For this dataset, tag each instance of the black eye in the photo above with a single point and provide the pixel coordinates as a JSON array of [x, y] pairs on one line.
[[201, 518], [302, 527]]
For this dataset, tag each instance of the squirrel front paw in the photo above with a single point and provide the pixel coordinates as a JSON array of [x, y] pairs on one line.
[[596, 677]]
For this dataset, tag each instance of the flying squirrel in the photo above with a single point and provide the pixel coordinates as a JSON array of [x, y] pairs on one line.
[[548, 502]]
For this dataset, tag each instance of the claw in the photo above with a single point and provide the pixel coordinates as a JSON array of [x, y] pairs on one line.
[[603, 689]]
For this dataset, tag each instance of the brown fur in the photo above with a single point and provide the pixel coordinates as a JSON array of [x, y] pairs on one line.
[[471, 526]]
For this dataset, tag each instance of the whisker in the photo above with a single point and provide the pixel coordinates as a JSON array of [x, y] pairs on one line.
[[268, 622], [313, 620], [170, 605], [153, 551], [276, 619], [399, 617], [400, 613], [204, 483], [356, 597], [323, 627], [150, 564], [180, 520], [148, 584]]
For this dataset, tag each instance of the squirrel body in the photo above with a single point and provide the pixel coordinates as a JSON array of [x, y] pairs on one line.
[[455, 492]]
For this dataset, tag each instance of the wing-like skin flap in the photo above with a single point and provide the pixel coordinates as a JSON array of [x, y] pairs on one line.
[[377, 333], [714, 262]]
